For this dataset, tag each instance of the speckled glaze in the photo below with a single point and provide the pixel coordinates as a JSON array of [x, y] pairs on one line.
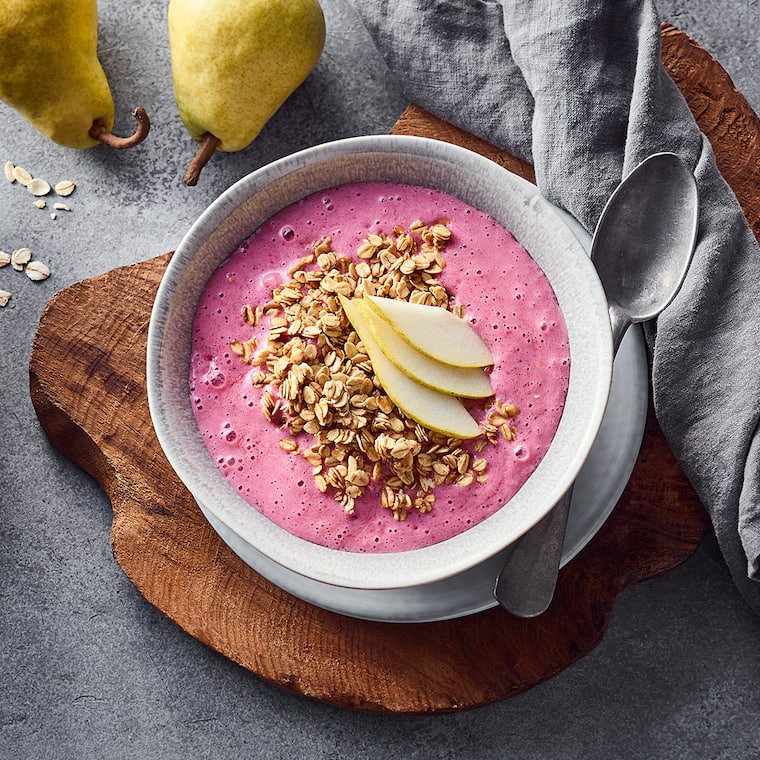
[[296, 564]]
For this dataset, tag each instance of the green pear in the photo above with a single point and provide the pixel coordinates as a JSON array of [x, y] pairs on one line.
[[235, 62], [434, 410], [50, 73]]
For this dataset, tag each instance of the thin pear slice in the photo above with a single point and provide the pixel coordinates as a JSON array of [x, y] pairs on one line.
[[464, 382], [434, 331], [437, 411]]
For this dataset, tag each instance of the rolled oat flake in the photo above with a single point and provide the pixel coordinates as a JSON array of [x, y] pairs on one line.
[[64, 187], [36, 270], [38, 187]]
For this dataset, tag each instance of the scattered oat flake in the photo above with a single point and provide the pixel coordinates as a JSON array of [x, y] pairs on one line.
[[5, 259], [65, 187], [9, 171], [40, 204], [61, 207], [38, 187], [54, 216], [5, 296], [36, 270], [20, 257], [22, 175]]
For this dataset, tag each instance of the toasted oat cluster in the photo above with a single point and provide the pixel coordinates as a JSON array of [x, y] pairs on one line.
[[318, 379]]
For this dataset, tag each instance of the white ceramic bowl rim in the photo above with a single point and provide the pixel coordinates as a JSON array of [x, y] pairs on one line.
[[474, 179]]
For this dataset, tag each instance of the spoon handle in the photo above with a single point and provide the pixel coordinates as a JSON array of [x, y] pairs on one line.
[[525, 586], [620, 322], [534, 560]]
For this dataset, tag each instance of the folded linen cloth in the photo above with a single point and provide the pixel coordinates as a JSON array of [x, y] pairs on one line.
[[578, 88]]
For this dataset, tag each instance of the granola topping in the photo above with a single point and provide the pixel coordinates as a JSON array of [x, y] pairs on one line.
[[319, 385]]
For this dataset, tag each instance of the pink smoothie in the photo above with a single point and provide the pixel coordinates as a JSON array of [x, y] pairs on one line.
[[508, 301]]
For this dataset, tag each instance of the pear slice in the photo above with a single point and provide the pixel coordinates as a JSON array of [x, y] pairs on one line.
[[437, 411], [464, 382], [434, 331]]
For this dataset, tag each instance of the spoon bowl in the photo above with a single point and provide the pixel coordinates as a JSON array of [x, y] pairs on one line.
[[644, 240]]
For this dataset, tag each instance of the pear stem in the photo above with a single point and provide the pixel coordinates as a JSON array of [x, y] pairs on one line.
[[99, 132], [209, 143]]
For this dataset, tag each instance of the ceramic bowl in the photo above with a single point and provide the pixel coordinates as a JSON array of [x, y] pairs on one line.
[[352, 583]]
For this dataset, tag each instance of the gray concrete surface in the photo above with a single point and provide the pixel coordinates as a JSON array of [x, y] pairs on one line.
[[88, 669]]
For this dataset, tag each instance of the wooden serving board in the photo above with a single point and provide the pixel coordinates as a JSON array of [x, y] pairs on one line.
[[87, 376]]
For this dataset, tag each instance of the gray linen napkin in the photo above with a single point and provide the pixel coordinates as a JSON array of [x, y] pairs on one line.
[[578, 88]]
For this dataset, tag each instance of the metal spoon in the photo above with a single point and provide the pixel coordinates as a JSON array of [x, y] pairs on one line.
[[642, 248]]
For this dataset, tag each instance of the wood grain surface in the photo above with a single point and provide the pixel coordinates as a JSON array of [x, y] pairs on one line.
[[87, 380]]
